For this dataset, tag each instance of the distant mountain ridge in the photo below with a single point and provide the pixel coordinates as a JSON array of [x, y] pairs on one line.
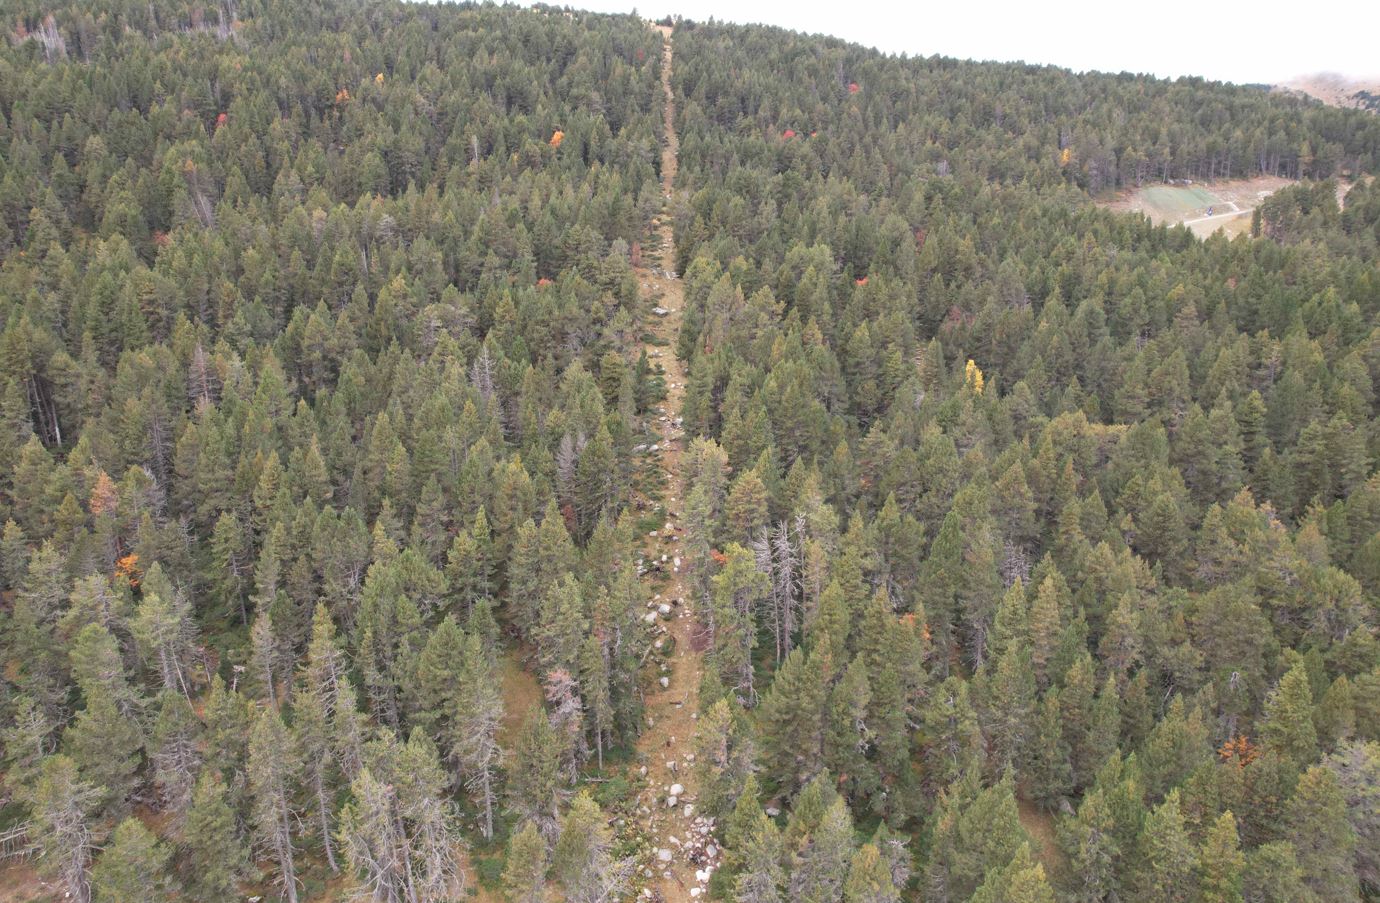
[[1337, 90]]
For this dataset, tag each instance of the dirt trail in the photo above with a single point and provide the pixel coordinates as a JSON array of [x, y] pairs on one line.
[[674, 831]]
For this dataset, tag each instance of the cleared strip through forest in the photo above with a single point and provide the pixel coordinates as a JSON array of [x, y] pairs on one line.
[[679, 859]]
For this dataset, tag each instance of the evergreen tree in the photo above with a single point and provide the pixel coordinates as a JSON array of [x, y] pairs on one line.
[[1221, 864], [869, 878], [1021, 881], [760, 877], [583, 860], [524, 875], [133, 866], [474, 740], [724, 753], [535, 781], [62, 805], [818, 872], [174, 752], [1167, 859], [1288, 727], [272, 771], [791, 719], [1051, 775], [1323, 837], [211, 838], [975, 829], [108, 748]]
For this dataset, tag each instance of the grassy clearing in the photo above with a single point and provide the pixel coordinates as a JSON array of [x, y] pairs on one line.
[[1040, 825], [1173, 203], [520, 693]]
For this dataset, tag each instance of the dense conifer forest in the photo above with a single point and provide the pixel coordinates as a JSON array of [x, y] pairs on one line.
[[455, 452]]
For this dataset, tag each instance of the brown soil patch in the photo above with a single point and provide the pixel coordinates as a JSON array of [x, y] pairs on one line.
[[1040, 825], [20, 883], [520, 692]]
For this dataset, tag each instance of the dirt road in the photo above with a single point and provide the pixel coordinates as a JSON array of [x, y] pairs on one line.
[[679, 837]]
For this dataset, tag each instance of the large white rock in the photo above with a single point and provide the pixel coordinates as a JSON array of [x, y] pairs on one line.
[[663, 855], [677, 790]]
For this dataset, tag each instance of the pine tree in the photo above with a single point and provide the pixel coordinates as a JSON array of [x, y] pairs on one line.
[[1221, 864], [313, 737], [439, 668], [1167, 857], [975, 830], [738, 589], [266, 654], [433, 840], [1051, 776], [807, 814], [397, 831], [1011, 707], [1021, 881], [98, 667], [818, 872], [227, 717], [164, 631], [212, 841], [62, 804], [132, 867], [954, 741], [1288, 727], [1357, 767], [760, 877], [474, 740], [1318, 827], [583, 861], [524, 875], [847, 736], [535, 781], [790, 720], [562, 625], [272, 770], [869, 878], [26, 742], [724, 755], [1273, 875], [108, 748], [174, 753], [740, 823], [1095, 856]]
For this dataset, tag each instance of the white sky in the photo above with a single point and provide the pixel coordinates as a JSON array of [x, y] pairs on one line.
[[1230, 40]]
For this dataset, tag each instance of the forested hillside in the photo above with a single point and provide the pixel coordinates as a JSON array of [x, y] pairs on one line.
[[1025, 551]]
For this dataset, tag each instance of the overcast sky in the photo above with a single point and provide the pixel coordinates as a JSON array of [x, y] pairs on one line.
[[1268, 41]]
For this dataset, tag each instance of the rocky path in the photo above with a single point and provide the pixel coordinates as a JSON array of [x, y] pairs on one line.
[[681, 852]]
